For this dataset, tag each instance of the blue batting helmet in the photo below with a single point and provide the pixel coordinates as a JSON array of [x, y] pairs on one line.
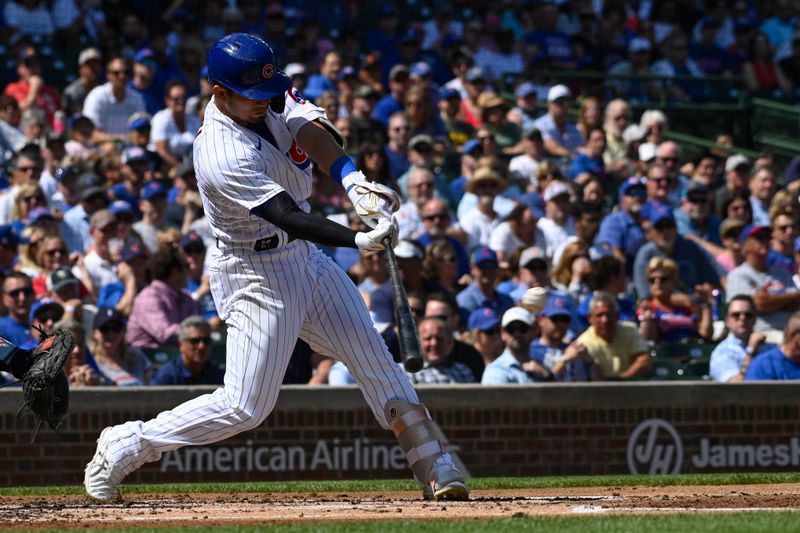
[[245, 64]]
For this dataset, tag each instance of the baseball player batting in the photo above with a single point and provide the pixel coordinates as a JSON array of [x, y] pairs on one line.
[[271, 284]]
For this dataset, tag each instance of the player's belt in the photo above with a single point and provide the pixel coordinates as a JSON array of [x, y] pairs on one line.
[[261, 245]]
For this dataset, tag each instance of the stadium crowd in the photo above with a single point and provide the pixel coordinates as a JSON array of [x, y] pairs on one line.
[[512, 179]]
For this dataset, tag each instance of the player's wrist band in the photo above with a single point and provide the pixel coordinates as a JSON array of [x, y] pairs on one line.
[[342, 167]]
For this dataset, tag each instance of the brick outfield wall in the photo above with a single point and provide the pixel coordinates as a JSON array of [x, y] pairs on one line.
[[318, 433]]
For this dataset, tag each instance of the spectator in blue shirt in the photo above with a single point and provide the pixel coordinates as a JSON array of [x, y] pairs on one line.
[[554, 47], [482, 291], [621, 233], [589, 158], [193, 366], [326, 79], [732, 357], [399, 82], [550, 350], [782, 362], [695, 218], [17, 299], [515, 364], [197, 284]]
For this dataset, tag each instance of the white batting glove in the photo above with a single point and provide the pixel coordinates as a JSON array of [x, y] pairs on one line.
[[372, 241], [372, 201]]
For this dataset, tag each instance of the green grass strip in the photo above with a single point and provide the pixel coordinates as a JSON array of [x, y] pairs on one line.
[[486, 483], [756, 521]]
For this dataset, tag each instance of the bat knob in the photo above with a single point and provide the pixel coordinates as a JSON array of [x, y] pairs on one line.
[[413, 364]]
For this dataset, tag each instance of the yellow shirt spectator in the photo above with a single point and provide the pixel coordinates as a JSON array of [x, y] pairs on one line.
[[618, 355]]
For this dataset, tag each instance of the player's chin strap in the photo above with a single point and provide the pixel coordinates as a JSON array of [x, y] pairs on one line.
[[419, 436]]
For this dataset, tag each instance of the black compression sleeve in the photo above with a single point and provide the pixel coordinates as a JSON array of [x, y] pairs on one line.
[[282, 211]]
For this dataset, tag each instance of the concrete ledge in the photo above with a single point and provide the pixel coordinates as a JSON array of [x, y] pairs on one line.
[[642, 394]]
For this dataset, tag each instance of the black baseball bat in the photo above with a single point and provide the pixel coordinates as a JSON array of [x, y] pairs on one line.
[[410, 352]]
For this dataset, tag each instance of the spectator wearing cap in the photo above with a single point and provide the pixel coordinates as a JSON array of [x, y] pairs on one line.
[[482, 291], [133, 275], [517, 230], [676, 61], [89, 69], [532, 271], [197, 284], [75, 228], [144, 83], [783, 361], [729, 231], [66, 289], [110, 105], [557, 224], [153, 206], [26, 168], [124, 365], [98, 261], [396, 148], [364, 127], [772, 288], [161, 306], [134, 169], [617, 348], [553, 46], [621, 233], [327, 77], [695, 266], [31, 91], [173, 129], [458, 131], [479, 222], [515, 365], [525, 111], [784, 235], [80, 130], [474, 84], [440, 367], [399, 82], [18, 297], [194, 365], [737, 170], [9, 241], [483, 333], [561, 137], [44, 313], [628, 85], [762, 185], [566, 363], [732, 357], [695, 221]]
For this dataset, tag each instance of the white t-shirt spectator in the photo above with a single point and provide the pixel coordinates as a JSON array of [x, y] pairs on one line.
[[164, 128], [37, 21], [107, 113], [101, 272], [555, 234], [504, 240], [524, 167], [478, 228]]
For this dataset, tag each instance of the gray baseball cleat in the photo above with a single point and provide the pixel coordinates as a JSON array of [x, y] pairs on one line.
[[447, 482], [100, 478]]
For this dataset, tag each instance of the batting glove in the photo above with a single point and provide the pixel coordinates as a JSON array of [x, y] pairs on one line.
[[372, 241], [372, 201]]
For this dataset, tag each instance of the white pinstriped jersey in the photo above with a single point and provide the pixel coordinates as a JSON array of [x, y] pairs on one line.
[[238, 170]]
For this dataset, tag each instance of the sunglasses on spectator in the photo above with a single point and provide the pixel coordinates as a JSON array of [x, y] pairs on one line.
[[196, 341], [401, 128], [434, 216], [111, 328], [27, 168], [742, 314], [14, 293], [49, 316], [784, 228], [561, 319], [54, 251], [516, 329], [661, 226], [659, 279], [119, 73]]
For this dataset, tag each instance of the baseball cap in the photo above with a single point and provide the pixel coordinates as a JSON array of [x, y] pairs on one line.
[[87, 54], [346, 72], [192, 238], [101, 219], [58, 279], [446, 93], [406, 249], [488, 100], [753, 230], [530, 255], [120, 207], [735, 161], [76, 119], [138, 121], [9, 237], [42, 305], [525, 89], [695, 190], [557, 305], [633, 133], [153, 189], [483, 318], [731, 224], [145, 56], [647, 152], [107, 315], [657, 212], [484, 257], [40, 214], [470, 146], [555, 189], [90, 185], [639, 44], [420, 139], [67, 172], [517, 314], [134, 154], [420, 69], [558, 91], [131, 251], [397, 71], [633, 187], [475, 74]]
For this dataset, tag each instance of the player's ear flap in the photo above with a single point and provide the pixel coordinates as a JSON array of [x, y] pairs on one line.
[[278, 103]]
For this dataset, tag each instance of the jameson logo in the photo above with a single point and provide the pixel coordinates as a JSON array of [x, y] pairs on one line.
[[360, 454], [656, 447]]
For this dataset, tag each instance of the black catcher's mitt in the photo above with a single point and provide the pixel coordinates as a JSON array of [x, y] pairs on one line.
[[45, 384]]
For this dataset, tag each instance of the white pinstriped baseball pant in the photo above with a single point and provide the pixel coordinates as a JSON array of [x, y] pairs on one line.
[[268, 300]]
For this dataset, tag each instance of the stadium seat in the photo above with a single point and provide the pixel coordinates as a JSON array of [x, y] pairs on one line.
[[162, 354], [684, 351]]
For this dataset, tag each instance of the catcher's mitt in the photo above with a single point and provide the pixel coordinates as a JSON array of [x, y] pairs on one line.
[[45, 384]]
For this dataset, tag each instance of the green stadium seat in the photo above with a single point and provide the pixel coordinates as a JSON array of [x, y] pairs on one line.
[[684, 351], [161, 355]]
